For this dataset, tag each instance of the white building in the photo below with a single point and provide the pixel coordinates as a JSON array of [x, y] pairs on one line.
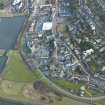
[[21, 5], [88, 52], [15, 2], [47, 26], [92, 26]]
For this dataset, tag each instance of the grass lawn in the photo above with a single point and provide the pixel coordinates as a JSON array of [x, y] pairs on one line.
[[2, 13], [65, 101], [68, 101], [71, 86], [12, 88], [67, 85], [14, 91], [94, 93], [101, 102], [16, 70]]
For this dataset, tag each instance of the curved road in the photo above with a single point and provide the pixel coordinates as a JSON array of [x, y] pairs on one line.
[[62, 91]]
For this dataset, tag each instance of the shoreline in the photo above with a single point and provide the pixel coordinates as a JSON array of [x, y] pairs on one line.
[[6, 14], [14, 101]]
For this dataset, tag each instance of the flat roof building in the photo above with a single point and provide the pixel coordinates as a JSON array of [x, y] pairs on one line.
[[15, 2], [47, 26]]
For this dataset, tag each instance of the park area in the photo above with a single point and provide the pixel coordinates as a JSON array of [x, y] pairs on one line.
[[16, 70], [18, 79]]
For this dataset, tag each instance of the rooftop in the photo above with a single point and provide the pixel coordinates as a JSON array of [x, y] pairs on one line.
[[47, 26]]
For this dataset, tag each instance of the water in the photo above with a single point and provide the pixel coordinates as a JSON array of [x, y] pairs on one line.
[[3, 60], [10, 27], [8, 102]]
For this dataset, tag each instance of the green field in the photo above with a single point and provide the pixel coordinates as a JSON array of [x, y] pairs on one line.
[[12, 88], [16, 70], [68, 101], [14, 91], [101, 102], [67, 85]]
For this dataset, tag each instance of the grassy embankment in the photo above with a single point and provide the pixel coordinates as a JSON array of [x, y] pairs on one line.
[[76, 87]]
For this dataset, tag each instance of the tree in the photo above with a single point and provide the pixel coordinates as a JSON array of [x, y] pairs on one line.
[[1, 5]]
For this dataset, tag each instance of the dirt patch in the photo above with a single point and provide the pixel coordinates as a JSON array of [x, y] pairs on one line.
[[30, 92]]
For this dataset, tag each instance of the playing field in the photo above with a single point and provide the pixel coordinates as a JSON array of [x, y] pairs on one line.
[[16, 69]]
